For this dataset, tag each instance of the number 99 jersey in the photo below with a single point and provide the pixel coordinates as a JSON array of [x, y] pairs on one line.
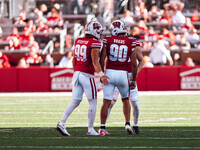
[[82, 53], [118, 51]]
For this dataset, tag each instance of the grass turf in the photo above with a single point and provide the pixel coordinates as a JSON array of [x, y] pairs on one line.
[[166, 122]]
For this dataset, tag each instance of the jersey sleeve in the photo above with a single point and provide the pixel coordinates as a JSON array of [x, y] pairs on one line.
[[105, 42], [137, 43], [96, 44], [134, 43]]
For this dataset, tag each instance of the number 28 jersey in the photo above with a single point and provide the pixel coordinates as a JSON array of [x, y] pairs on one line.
[[118, 51], [82, 52]]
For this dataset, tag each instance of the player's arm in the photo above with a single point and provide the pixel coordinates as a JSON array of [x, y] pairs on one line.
[[95, 54], [139, 58], [134, 69], [74, 62], [103, 58]]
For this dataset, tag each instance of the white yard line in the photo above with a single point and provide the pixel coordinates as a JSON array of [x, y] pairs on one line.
[[107, 137], [113, 113], [95, 147], [156, 122], [141, 93]]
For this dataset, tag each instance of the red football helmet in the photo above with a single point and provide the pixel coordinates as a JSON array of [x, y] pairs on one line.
[[94, 28]]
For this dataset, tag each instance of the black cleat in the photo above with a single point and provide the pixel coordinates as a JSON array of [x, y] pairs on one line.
[[136, 130]]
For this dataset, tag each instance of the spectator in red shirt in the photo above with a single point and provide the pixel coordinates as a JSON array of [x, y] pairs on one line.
[[195, 17], [32, 57], [54, 18], [42, 27], [166, 17], [13, 34], [31, 27], [143, 29], [152, 35], [4, 62], [169, 35], [31, 43], [188, 25], [14, 44], [26, 34]]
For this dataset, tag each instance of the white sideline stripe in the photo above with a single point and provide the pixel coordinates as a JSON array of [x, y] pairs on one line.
[[141, 93], [97, 147], [6, 130], [61, 72], [101, 138]]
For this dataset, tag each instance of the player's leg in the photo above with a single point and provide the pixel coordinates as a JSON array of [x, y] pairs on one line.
[[115, 96], [136, 110], [108, 93], [77, 97], [123, 87], [90, 89], [127, 111]]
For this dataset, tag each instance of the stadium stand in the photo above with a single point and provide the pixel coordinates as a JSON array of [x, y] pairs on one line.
[[56, 24]]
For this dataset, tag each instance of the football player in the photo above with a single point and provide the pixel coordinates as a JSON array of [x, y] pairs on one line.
[[118, 48], [85, 62], [133, 93]]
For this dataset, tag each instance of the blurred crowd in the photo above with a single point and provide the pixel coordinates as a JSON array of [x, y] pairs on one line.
[[168, 32], [52, 22], [164, 32]]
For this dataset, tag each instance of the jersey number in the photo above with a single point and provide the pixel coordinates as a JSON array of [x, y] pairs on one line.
[[80, 52], [118, 52]]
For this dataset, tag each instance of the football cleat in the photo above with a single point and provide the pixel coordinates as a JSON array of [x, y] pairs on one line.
[[136, 130], [91, 131], [128, 129], [62, 129], [103, 132]]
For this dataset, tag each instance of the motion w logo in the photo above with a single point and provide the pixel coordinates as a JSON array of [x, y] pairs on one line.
[[116, 24], [96, 26]]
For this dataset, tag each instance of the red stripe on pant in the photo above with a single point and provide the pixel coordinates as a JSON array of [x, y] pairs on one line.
[[95, 88], [92, 88]]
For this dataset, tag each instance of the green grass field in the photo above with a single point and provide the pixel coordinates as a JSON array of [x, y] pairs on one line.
[[166, 122]]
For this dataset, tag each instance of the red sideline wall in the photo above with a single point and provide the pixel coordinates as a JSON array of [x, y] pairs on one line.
[[149, 79]]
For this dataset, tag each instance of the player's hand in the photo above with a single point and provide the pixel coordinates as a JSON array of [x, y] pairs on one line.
[[132, 85], [104, 79]]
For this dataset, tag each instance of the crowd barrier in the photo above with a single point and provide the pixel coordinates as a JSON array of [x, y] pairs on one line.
[[45, 79]]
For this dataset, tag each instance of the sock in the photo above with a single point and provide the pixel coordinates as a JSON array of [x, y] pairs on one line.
[[136, 112], [69, 110], [103, 126], [127, 123], [110, 107], [92, 112]]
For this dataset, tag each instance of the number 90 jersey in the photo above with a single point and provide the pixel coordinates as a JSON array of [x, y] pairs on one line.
[[118, 51], [82, 52]]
